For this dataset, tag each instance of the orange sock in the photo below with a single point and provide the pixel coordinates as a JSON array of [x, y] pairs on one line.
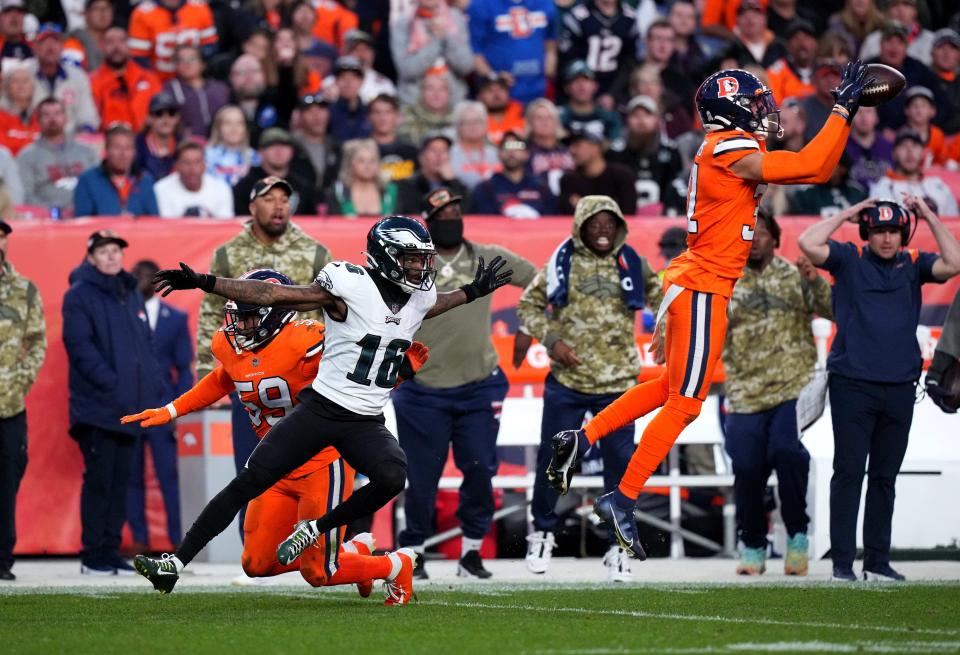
[[638, 401], [360, 568], [657, 440]]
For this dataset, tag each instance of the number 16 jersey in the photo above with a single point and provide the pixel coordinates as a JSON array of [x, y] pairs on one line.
[[363, 353]]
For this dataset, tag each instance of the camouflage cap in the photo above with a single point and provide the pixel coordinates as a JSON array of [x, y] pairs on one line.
[[262, 187], [437, 200], [589, 206]]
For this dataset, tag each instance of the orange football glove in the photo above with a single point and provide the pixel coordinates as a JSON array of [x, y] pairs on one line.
[[415, 357], [149, 417]]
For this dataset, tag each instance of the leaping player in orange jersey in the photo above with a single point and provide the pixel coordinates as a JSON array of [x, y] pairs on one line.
[[728, 177], [268, 357]]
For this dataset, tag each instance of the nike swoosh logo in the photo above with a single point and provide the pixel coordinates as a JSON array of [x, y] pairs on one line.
[[162, 572]]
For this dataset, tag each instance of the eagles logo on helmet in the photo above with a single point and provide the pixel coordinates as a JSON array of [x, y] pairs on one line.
[[734, 99], [394, 239], [886, 213], [248, 326]]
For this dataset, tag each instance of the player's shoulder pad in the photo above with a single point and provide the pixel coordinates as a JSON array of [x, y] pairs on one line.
[[219, 345], [580, 12], [735, 142]]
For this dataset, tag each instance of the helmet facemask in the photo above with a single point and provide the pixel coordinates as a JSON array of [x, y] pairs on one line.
[[766, 114], [397, 268], [248, 329]]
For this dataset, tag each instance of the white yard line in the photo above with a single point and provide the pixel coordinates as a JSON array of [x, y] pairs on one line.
[[913, 647]]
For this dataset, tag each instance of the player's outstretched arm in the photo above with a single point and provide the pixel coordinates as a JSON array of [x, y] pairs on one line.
[[813, 241], [815, 162], [948, 263], [488, 279], [211, 388], [300, 297]]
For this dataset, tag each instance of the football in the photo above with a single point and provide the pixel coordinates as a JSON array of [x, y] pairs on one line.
[[888, 83]]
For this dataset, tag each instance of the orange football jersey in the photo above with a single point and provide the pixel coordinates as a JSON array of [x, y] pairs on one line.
[[269, 379], [155, 32], [721, 214]]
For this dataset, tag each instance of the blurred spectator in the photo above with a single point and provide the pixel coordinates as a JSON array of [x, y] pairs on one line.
[[98, 18], [228, 154], [432, 40], [11, 186], [361, 189], [792, 76], [603, 34], [199, 98], [313, 137], [514, 191], [517, 39], [287, 73], [277, 149], [13, 42], [157, 141], [157, 28], [431, 113], [755, 43], [51, 165], [920, 110], [894, 53], [121, 88], [116, 187], [549, 156], [592, 175], [660, 52], [398, 157], [689, 55], [360, 44], [472, 157], [780, 13], [582, 112], [654, 160], [871, 153], [676, 118], [68, 84], [435, 171], [946, 65], [818, 105], [303, 16], [348, 116], [793, 122], [112, 372], [503, 114], [907, 176], [673, 241], [857, 20], [334, 21], [919, 40], [250, 93], [18, 122], [173, 350], [189, 190], [262, 14], [24, 342], [824, 200]]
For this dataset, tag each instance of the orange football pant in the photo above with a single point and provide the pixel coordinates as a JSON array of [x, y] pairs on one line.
[[272, 515], [695, 331]]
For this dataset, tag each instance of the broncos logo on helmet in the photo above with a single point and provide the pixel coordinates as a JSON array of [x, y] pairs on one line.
[[735, 99], [886, 213], [391, 245], [248, 326]]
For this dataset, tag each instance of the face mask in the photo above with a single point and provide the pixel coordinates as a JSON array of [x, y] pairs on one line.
[[447, 233]]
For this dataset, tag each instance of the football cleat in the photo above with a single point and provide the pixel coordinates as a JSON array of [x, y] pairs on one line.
[[420, 570], [753, 561], [623, 524], [303, 535], [797, 561], [362, 544], [618, 565], [162, 573], [565, 457], [884, 573], [471, 566], [539, 551], [399, 588]]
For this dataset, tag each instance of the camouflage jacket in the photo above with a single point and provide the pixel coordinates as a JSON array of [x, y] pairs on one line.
[[296, 255], [23, 339], [769, 354], [596, 323]]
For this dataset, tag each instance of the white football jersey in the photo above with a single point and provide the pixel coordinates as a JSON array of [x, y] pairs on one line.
[[362, 354]]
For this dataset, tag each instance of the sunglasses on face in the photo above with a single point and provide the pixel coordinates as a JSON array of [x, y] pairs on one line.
[[165, 112]]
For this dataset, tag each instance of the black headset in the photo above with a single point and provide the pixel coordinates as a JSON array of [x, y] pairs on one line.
[[872, 218]]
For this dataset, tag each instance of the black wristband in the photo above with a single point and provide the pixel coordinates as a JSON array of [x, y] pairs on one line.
[[207, 282], [470, 291]]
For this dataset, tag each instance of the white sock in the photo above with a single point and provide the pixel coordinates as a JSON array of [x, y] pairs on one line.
[[470, 544], [176, 562]]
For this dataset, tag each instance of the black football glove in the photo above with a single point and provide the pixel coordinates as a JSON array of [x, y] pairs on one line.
[[488, 279], [939, 396], [853, 79], [171, 279]]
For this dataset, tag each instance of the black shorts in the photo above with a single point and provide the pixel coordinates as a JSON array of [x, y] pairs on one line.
[[316, 423]]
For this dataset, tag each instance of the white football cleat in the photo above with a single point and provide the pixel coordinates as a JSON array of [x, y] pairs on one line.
[[539, 551], [617, 562]]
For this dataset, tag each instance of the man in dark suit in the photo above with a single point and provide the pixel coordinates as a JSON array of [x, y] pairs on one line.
[[174, 353]]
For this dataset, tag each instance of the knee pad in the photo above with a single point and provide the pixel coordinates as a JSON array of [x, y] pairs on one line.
[[390, 476], [683, 408]]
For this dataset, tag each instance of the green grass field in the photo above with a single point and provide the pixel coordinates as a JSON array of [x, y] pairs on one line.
[[589, 620]]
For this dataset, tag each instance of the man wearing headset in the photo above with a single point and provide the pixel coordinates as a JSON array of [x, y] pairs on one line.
[[874, 363]]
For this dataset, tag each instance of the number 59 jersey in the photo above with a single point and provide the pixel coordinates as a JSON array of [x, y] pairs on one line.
[[363, 352], [721, 215]]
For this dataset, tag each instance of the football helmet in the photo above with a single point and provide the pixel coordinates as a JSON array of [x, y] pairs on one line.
[[886, 213], [249, 327], [735, 99], [392, 240]]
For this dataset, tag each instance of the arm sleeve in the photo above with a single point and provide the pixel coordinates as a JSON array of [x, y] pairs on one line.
[[140, 39], [531, 310], [211, 388], [815, 162], [78, 339], [817, 296], [34, 343]]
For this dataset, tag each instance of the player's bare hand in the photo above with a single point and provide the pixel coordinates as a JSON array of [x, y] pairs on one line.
[[658, 346], [149, 418], [521, 344], [169, 280], [563, 354], [807, 270]]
